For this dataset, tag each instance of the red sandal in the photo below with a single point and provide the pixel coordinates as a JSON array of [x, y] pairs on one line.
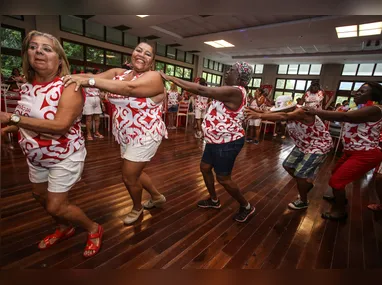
[[91, 245], [58, 236]]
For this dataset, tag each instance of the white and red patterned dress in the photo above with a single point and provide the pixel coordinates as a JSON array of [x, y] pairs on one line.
[[222, 125], [364, 136], [42, 149], [313, 139], [173, 99], [201, 102], [136, 121], [314, 100]]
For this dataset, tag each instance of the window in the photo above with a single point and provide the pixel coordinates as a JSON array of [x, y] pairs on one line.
[[216, 66], [161, 49], [130, 41], [347, 86], [72, 24], [187, 73], [126, 58], [205, 63], [11, 42], [170, 69], [159, 66], [301, 69], [189, 57], [113, 36], [179, 71], [211, 64], [73, 51], [11, 38], [170, 52], [294, 87], [8, 62], [94, 55], [113, 58], [94, 30], [363, 69], [180, 55], [212, 79], [254, 83], [258, 69]]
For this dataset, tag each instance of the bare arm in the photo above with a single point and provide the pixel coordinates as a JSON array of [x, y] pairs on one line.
[[297, 114], [108, 74], [230, 96], [69, 108], [367, 114], [148, 85]]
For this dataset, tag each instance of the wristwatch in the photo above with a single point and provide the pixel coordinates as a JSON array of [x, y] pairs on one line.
[[91, 81], [14, 120]]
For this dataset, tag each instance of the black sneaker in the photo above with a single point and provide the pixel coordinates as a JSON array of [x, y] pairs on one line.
[[209, 204], [255, 142], [243, 214], [298, 205], [332, 199]]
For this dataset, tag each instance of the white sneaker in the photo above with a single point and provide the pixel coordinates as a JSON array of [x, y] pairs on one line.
[[132, 216], [154, 203], [198, 135]]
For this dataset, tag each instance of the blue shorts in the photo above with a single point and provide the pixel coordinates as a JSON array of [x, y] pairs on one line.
[[305, 165], [173, 109], [222, 156]]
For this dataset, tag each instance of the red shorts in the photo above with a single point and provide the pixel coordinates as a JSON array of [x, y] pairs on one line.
[[352, 166]]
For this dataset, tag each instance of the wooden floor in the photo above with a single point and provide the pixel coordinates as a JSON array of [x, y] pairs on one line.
[[181, 235]]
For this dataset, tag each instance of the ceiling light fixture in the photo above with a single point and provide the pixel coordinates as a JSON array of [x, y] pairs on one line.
[[142, 16], [219, 44], [370, 29], [347, 31]]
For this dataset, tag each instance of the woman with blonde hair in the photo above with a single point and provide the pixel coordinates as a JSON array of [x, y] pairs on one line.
[[48, 118], [173, 105]]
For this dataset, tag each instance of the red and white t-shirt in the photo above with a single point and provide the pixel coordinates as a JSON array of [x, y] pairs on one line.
[[41, 101], [136, 120], [255, 106], [92, 92], [201, 102], [172, 99], [314, 138], [314, 99], [364, 136], [222, 125]]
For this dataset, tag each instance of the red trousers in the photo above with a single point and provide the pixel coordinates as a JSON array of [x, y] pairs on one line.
[[353, 165]]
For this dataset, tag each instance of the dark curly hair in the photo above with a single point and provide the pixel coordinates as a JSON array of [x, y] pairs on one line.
[[376, 91]]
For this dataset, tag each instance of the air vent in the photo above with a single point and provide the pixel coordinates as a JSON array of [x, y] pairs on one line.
[[205, 16], [122, 28], [175, 45], [86, 17], [193, 51], [152, 37]]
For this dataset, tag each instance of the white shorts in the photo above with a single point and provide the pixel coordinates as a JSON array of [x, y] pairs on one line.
[[92, 106], [60, 176], [199, 114], [140, 153], [254, 122]]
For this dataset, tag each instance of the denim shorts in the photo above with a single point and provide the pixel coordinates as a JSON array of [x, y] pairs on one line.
[[173, 109], [222, 156]]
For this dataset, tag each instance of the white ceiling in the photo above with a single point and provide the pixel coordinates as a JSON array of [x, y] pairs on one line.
[[257, 39]]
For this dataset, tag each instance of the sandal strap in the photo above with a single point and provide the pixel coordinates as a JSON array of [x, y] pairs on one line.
[[57, 235], [95, 235]]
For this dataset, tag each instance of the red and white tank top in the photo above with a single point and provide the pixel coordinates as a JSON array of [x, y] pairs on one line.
[[364, 136], [313, 138], [222, 125], [136, 120], [201, 102], [254, 105], [92, 92], [314, 100], [41, 101], [172, 99]]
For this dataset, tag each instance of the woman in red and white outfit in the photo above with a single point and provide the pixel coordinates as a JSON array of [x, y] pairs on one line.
[[224, 134], [360, 138], [201, 104], [92, 110], [137, 96], [173, 105], [314, 97], [48, 118]]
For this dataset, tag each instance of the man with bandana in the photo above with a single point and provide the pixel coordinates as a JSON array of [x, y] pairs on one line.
[[223, 133]]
